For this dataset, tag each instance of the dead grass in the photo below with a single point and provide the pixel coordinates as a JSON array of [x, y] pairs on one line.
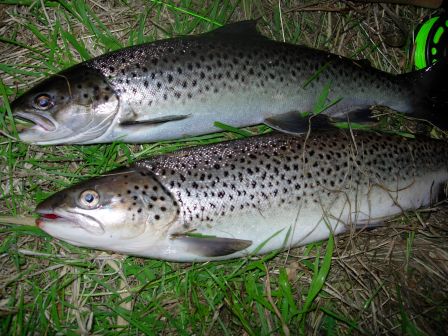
[[390, 280]]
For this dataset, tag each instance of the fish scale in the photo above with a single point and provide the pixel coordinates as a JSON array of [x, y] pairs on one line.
[[176, 73], [180, 87], [235, 178], [251, 195]]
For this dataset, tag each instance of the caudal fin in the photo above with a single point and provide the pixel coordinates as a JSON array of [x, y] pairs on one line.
[[431, 93]]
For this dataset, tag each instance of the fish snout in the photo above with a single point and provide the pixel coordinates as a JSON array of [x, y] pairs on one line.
[[47, 207]]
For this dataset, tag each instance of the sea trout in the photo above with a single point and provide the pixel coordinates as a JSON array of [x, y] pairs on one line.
[[180, 87], [248, 196]]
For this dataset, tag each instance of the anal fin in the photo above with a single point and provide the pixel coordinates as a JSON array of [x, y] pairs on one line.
[[212, 246]]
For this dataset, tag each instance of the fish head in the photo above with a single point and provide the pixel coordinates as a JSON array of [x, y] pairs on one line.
[[74, 106], [125, 211]]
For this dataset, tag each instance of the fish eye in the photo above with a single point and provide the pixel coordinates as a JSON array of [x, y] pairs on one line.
[[89, 199], [43, 102]]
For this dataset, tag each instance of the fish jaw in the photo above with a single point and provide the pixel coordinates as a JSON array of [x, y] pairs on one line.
[[41, 120], [68, 225], [44, 125], [81, 230]]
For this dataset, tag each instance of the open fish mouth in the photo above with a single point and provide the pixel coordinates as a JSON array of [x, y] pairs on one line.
[[53, 218], [41, 120], [69, 219]]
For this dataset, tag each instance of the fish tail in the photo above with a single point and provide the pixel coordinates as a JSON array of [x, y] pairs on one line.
[[430, 86]]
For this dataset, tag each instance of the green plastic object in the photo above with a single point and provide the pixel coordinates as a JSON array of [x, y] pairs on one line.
[[431, 41]]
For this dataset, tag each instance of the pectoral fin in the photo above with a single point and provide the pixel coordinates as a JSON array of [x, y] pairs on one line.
[[154, 121], [294, 123], [362, 115], [213, 246]]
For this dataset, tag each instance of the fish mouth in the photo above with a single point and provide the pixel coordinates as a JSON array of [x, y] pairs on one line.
[[69, 219], [47, 217], [40, 120]]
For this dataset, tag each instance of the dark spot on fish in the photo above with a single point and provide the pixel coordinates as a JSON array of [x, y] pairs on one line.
[[170, 78], [112, 69]]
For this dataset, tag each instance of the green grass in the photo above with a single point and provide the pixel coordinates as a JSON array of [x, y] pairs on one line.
[[51, 287]]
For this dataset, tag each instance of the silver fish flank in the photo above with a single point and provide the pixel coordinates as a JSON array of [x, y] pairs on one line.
[[258, 194], [180, 87]]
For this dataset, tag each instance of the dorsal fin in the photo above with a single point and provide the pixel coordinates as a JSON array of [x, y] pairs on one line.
[[364, 63], [248, 28]]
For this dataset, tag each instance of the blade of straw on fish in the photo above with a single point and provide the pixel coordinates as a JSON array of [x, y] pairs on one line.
[[18, 220]]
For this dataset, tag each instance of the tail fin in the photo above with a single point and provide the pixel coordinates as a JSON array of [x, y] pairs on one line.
[[431, 93]]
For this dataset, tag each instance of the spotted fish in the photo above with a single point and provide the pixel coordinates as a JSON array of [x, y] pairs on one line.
[[248, 196], [180, 87]]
